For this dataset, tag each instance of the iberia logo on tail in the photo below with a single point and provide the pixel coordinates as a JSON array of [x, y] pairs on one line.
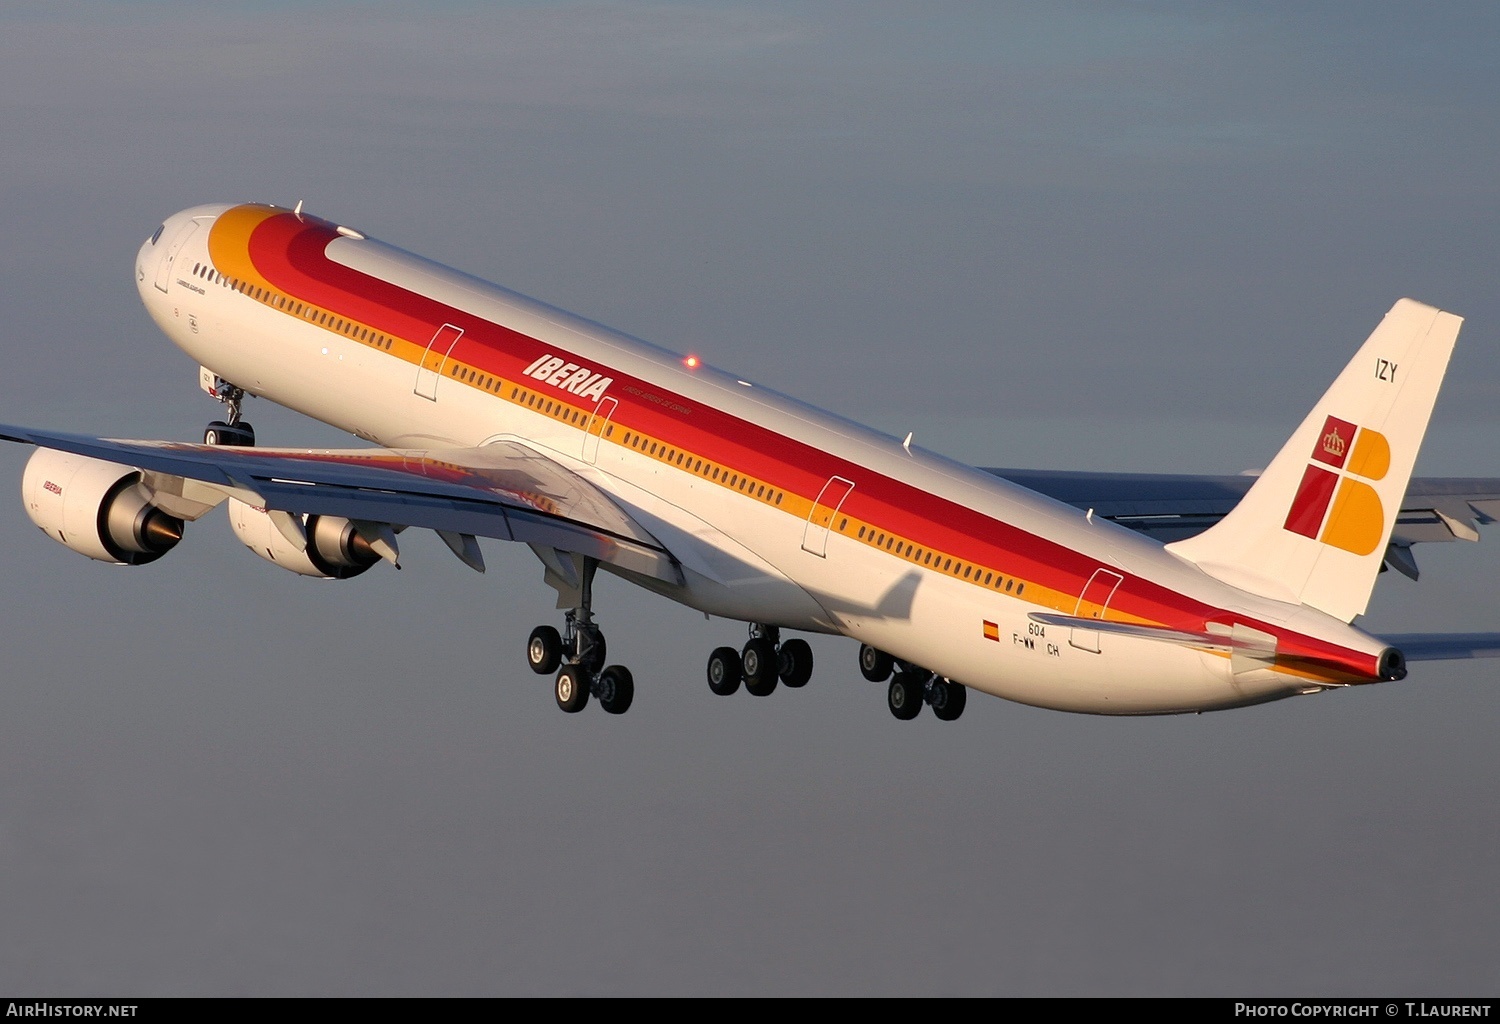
[[1335, 505]]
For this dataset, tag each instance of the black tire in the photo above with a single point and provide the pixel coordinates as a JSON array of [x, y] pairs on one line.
[[796, 662], [874, 664], [724, 672], [904, 695], [598, 652], [759, 662], [616, 689], [241, 435], [950, 700], [544, 650], [571, 688]]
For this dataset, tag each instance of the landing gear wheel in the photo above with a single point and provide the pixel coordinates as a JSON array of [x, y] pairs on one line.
[[239, 435], [949, 700], [904, 696], [724, 671], [616, 689], [874, 664], [571, 689], [590, 653], [759, 662], [544, 650], [795, 664]]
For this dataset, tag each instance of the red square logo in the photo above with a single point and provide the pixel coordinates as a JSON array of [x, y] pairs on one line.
[[1334, 441], [1311, 502]]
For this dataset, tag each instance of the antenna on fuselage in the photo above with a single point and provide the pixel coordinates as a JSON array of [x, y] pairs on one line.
[[907, 443], [297, 210]]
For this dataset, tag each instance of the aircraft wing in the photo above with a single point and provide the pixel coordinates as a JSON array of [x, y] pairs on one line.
[[505, 490], [1171, 506], [1446, 646]]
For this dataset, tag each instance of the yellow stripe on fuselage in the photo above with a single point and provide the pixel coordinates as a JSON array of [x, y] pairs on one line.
[[229, 251]]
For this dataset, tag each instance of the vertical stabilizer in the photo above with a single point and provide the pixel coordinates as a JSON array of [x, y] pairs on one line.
[[1314, 528]]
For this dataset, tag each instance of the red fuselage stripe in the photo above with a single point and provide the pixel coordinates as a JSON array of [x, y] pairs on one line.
[[291, 253]]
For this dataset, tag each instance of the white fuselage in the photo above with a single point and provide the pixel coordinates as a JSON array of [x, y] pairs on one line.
[[776, 545]]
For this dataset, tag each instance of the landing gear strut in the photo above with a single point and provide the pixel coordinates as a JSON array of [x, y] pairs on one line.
[[232, 431], [580, 650], [764, 660]]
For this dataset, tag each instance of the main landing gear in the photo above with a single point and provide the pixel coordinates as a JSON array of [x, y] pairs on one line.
[[231, 432], [577, 655], [764, 659], [912, 686]]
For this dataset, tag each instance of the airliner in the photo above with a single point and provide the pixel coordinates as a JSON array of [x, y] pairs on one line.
[[487, 414]]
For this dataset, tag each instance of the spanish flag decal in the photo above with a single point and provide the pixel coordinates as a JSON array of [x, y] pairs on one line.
[[991, 630]]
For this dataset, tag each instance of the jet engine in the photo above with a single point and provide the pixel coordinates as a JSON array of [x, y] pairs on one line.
[[334, 551], [96, 508]]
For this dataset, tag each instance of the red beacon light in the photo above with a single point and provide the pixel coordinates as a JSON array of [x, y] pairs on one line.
[[691, 362]]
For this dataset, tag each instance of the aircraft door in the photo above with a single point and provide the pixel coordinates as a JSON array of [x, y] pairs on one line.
[[1091, 604], [598, 423], [435, 359], [820, 520], [169, 258]]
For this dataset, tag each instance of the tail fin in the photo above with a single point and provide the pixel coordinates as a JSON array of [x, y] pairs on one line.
[[1314, 528]]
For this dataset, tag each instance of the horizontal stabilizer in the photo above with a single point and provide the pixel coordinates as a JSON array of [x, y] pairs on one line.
[[1181, 637], [1445, 646]]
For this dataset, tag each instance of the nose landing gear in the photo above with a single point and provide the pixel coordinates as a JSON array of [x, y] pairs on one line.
[[232, 431], [230, 435]]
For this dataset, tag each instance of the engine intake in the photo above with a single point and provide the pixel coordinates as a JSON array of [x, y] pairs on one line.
[[335, 550], [97, 508]]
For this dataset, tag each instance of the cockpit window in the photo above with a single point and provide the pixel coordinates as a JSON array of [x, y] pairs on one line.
[[157, 233]]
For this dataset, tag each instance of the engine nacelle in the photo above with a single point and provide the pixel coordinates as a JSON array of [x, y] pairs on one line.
[[96, 508], [335, 551]]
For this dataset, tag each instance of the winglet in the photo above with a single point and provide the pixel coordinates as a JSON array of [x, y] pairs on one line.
[[1314, 528]]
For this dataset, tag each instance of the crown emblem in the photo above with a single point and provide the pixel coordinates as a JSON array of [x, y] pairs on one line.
[[1334, 444]]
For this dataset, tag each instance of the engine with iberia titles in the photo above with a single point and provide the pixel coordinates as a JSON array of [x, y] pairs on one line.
[[99, 509]]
